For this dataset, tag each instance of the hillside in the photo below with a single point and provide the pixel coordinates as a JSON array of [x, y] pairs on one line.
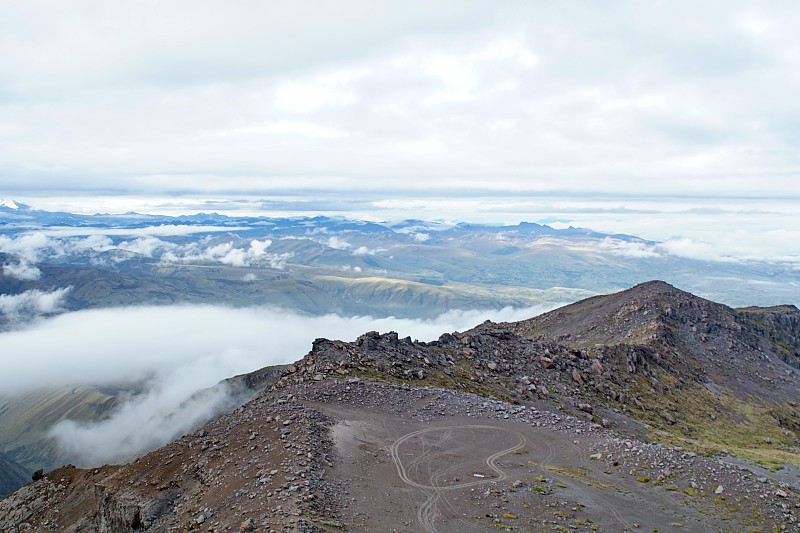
[[692, 368], [12, 475], [648, 409], [26, 418]]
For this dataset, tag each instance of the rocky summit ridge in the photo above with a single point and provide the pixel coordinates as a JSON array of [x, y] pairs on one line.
[[648, 409]]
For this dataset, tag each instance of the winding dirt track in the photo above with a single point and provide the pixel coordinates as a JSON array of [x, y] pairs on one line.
[[434, 485]]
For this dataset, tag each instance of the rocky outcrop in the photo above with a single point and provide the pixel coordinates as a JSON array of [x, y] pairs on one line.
[[664, 356], [262, 464]]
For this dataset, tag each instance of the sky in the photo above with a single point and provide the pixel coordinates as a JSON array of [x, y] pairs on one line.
[[410, 99]]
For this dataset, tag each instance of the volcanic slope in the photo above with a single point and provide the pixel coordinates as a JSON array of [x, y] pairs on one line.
[[693, 369], [547, 424]]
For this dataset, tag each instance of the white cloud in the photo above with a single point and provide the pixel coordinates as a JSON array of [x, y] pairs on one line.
[[31, 304], [518, 96], [258, 248], [91, 243], [629, 249], [227, 253], [129, 344], [172, 407], [33, 247], [22, 271], [147, 246], [337, 244], [301, 97], [365, 250], [28, 246]]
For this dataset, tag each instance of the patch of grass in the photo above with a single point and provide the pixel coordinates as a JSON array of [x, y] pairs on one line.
[[759, 432], [510, 516], [578, 474], [754, 520], [690, 491], [462, 380], [566, 471], [330, 522], [671, 488], [643, 479], [719, 500]]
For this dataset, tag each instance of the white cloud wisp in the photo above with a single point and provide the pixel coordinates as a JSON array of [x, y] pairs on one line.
[[31, 304]]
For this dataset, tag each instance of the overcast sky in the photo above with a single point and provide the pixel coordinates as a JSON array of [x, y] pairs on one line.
[[258, 97]]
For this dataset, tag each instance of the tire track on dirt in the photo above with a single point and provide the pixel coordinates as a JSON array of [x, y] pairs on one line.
[[433, 491]]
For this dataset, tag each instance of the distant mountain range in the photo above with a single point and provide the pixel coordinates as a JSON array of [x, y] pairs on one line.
[[321, 265]]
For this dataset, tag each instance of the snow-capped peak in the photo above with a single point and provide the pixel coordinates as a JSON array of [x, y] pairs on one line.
[[8, 203]]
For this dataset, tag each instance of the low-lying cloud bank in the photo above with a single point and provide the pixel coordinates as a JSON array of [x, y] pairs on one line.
[[177, 351], [172, 407]]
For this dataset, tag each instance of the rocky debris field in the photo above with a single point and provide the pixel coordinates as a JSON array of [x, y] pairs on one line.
[[583, 467], [283, 463], [256, 469]]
